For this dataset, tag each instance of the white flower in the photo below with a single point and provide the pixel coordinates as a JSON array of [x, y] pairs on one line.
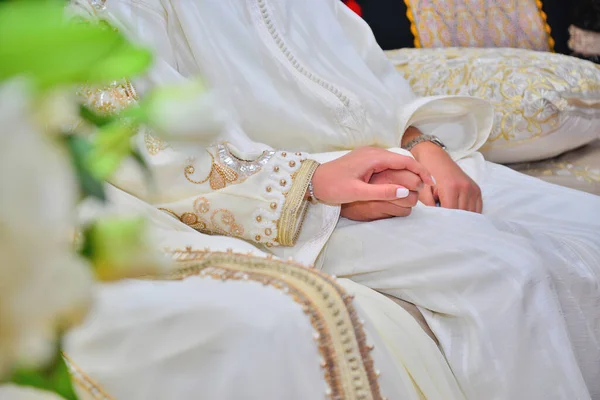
[[57, 111], [44, 286], [186, 113], [14, 392]]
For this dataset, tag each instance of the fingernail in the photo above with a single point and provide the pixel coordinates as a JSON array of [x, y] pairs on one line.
[[433, 179], [402, 193]]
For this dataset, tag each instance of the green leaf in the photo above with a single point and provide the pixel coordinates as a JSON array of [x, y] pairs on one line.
[[110, 145], [93, 117], [80, 149], [53, 378], [36, 39]]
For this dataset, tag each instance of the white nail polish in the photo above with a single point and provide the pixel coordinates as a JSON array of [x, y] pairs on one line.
[[402, 193]]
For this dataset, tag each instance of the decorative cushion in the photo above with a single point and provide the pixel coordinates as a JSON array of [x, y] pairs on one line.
[[545, 103], [529, 24], [467, 23], [578, 169]]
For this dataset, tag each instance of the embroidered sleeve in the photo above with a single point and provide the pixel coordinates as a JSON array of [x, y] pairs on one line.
[[216, 190], [261, 200]]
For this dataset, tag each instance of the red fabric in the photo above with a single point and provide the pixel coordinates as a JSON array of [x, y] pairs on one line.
[[354, 6]]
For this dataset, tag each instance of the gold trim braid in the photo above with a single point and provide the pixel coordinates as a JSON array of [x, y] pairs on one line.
[[348, 366], [296, 204]]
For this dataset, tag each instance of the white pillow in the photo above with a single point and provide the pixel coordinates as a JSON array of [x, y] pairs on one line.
[[545, 103]]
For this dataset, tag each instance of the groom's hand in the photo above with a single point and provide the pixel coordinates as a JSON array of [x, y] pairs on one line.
[[374, 210]]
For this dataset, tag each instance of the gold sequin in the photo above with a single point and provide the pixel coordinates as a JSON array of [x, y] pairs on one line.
[[284, 154], [273, 206], [258, 218], [282, 182], [276, 169], [299, 154], [257, 238], [269, 189], [292, 164], [268, 231]]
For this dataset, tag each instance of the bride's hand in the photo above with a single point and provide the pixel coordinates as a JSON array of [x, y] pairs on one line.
[[374, 210], [454, 188], [347, 179]]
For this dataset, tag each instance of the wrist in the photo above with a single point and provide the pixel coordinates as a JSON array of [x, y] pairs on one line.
[[424, 148]]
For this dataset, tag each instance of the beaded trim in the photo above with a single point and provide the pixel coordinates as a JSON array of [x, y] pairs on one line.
[[348, 366], [347, 363], [296, 204], [292, 59]]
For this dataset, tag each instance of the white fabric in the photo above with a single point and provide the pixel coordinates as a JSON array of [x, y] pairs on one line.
[[206, 338], [512, 295], [515, 302]]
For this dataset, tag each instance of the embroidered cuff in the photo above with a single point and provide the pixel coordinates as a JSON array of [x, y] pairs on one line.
[[296, 205]]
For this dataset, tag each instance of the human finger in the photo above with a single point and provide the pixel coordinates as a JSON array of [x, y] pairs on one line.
[[464, 200], [448, 198], [362, 191], [406, 178], [409, 201], [385, 159], [426, 196]]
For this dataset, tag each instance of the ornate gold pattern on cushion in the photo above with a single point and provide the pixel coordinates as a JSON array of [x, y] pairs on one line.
[[347, 367], [533, 93], [479, 23]]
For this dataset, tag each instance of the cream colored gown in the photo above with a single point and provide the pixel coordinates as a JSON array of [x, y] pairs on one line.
[[512, 295]]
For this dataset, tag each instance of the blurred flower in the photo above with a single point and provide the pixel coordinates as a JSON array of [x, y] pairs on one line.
[[185, 113], [57, 111], [44, 286], [122, 248], [14, 392]]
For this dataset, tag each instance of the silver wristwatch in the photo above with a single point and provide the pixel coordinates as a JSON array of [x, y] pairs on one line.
[[424, 138]]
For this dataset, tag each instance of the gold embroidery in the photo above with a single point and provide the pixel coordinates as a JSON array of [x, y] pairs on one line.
[[109, 99], [227, 168], [463, 23], [220, 221], [295, 206], [154, 145], [348, 366], [532, 92]]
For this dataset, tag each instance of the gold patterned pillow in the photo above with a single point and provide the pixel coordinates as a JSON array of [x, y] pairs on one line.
[[479, 23], [545, 103]]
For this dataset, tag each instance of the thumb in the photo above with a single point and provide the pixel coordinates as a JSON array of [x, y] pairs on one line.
[[369, 192]]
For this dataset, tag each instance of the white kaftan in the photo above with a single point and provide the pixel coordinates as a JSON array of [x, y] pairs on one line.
[[512, 295]]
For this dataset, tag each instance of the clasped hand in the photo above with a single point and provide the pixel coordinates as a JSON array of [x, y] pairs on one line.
[[373, 183]]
